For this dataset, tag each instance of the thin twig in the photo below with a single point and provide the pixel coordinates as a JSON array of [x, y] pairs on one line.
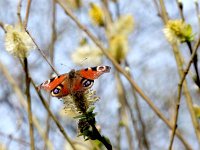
[[179, 63], [195, 63], [195, 60], [51, 54], [100, 137], [119, 68], [107, 13], [122, 112], [180, 84], [27, 13], [43, 55], [137, 107], [157, 7], [60, 127], [22, 101], [198, 14], [117, 8], [18, 140], [31, 130], [180, 8], [2, 26], [19, 6]]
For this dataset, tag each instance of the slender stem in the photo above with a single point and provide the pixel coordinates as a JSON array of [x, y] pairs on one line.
[[31, 130], [195, 63], [117, 8], [18, 140], [22, 100], [51, 54], [123, 105], [198, 14], [19, 11], [43, 55], [2, 26], [179, 63], [195, 60], [27, 13], [60, 127], [120, 69], [179, 93], [163, 12], [137, 107], [118, 134], [99, 137], [107, 13], [180, 8], [27, 77]]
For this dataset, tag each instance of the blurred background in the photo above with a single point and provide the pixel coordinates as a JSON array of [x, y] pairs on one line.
[[148, 53]]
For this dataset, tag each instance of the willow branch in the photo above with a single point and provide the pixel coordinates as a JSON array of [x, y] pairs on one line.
[[51, 54], [198, 14], [180, 8], [179, 93], [195, 63], [31, 130], [195, 60], [185, 86], [137, 108], [123, 115], [60, 127], [19, 11], [27, 13], [18, 140], [120, 69], [41, 52], [2, 26], [22, 100]]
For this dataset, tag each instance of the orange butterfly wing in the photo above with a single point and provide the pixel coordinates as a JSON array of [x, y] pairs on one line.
[[73, 81], [93, 72], [53, 82]]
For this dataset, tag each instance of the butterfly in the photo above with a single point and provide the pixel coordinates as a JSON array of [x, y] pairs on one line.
[[74, 81]]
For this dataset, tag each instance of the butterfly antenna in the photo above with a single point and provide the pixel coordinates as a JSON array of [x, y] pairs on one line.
[[82, 62]]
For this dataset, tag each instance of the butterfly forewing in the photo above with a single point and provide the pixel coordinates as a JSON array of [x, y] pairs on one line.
[[94, 72], [53, 83]]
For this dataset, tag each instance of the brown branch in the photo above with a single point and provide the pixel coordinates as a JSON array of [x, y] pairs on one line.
[[2, 26], [179, 93], [43, 55], [22, 101], [108, 16], [18, 140], [137, 107], [179, 63], [198, 14], [51, 54], [31, 130], [195, 60], [180, 8], [195, 63], [122, 112], [19, 6], [120, 69], [27, 13], [60, 127]]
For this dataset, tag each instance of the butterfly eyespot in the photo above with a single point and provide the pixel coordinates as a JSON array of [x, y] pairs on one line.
[[88, 83], [56, 91]]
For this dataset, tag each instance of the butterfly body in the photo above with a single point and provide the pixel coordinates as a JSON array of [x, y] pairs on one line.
[[73, 81]]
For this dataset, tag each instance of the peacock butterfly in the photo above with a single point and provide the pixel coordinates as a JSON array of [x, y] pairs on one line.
[[73, 81]]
